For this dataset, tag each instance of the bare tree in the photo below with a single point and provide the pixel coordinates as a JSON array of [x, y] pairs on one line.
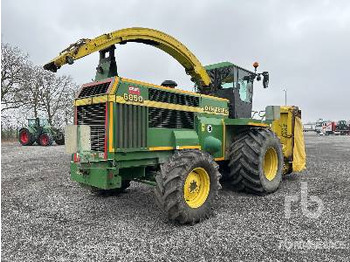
[[30, 91], [32, 83], [13, 62], [57, 95]]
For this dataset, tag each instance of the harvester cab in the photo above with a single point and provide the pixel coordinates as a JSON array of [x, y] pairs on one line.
[[235, 84], [128, 130]]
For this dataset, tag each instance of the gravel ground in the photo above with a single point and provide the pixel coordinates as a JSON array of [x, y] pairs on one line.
[[45, 216]]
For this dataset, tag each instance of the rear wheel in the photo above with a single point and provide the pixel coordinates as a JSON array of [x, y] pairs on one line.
[[256, 161], [45, 139], [59, 139], [25, 137], [187, 186]]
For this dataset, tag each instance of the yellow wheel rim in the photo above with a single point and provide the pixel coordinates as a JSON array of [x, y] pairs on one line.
[[270, 164], [196, 187]]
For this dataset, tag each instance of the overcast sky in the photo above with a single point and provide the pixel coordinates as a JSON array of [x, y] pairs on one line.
[[305, 45]]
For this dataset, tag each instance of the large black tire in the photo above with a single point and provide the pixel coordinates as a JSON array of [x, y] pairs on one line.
[[59, 139], [256, 161], [25, 137], [109, 192], [45, 139], [224, 171], [172, 183]]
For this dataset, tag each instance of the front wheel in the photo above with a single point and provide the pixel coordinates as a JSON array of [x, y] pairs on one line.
[[59, 139], [256, 161], [187, 186]]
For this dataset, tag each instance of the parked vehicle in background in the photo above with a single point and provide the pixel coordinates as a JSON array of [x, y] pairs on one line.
[[318, 126], [309, 127], [328, 127], [41, 132], [342, 128]]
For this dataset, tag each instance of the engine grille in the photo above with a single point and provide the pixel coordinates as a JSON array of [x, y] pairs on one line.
[[173, 98], [100, 88], [131, 126], [94, 116], [168, 118]]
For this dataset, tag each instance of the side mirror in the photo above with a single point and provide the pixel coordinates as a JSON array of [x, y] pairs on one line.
[[266, 79]]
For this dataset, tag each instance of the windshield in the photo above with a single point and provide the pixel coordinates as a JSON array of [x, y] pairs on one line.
[[239, 78], [31, 122], [43, 122]]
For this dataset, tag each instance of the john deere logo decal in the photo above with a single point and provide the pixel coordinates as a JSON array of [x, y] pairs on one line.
[[216, 109], [134, 90]]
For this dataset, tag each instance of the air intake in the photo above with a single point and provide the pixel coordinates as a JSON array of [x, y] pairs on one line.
[[167, 118], [94, 116], [92, 90], [173, 98], [131, 126]]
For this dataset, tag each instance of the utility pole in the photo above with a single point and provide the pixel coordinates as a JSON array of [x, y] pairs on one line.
[[285, 96]]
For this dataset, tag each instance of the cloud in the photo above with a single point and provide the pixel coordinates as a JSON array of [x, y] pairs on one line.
[[303, 44]]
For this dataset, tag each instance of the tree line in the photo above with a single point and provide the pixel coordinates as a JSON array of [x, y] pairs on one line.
[[29, 91]]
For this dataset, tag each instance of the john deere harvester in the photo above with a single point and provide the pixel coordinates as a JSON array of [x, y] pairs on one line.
[[127, 130]]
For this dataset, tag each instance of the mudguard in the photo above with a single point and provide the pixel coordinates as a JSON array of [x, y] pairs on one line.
[[289, 129], [299, 154]]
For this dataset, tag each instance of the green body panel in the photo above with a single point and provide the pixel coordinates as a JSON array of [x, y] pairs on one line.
[[212, 131], [123, 88], [170, 137], [243, 122], [133, 172], [213, 146], [185, 138], [97, 175], [33, 131]]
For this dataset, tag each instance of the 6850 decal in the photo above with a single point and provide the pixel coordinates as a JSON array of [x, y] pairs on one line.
[[133, 98]]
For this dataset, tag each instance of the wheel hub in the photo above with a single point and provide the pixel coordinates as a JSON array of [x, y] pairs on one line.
[[270, 165], [193, 186], [196, 187], [44, 140], [24, 137]]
